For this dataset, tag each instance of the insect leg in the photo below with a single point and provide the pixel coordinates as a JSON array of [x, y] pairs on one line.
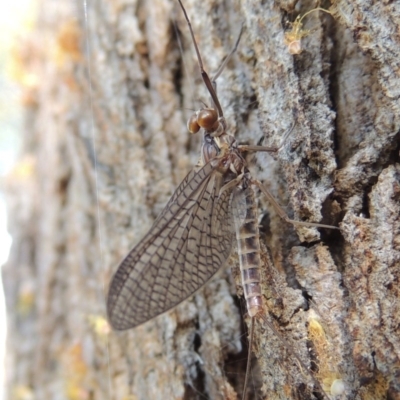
[[282, 213], [270, 149]]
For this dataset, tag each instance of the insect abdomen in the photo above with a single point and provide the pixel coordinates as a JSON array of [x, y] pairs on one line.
[[247, 234]]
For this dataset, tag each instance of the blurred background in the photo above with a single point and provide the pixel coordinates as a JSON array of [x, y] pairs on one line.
[[17, 18]]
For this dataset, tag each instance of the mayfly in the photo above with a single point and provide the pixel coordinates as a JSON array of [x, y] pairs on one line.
[[193, 236]]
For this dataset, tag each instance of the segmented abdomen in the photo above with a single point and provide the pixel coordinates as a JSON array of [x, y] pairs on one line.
[[247, 235]]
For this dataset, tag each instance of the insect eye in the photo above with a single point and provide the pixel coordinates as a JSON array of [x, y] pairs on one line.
[[207, 118], [192, 124]]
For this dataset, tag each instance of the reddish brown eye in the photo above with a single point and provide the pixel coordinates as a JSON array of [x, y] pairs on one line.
[[192, 125], [207, 118]]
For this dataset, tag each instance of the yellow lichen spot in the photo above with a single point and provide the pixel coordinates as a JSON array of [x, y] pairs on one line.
[[19, 66], [332, 383], [100, 325], [75, 372], [25, 301], [68, 43], [293, 37], [337, 387], [74, 392], [316, 331], [24, 169], [327, 365], [22, 392]]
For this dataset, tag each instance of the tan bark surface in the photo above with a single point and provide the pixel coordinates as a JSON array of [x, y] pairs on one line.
[[105, 146]]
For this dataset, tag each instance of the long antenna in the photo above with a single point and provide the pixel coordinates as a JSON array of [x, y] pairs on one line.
[[204, 75]]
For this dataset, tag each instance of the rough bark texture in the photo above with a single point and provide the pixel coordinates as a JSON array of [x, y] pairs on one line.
[[105, 146]]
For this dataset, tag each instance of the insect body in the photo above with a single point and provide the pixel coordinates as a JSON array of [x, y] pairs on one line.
[[294, 36], [192, 238]]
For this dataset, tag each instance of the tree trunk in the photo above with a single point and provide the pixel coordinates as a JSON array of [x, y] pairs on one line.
[[105, 146]]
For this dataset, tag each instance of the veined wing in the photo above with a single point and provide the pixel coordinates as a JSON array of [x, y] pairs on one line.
[[185, 247], [193, 178]]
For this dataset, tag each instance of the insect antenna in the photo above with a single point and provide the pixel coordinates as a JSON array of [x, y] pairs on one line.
[[229, 56], [204, 75]]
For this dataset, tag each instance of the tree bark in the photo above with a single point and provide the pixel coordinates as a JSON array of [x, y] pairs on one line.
[[105, 146]]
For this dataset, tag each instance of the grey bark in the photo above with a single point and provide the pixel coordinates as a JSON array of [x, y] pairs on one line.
[[105, 146]]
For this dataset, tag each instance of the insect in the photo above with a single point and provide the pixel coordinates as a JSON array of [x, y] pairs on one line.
[[293, 37], [192, 237]]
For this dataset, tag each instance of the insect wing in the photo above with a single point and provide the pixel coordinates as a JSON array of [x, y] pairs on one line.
[[186, 246], [195, 177], [239, 207]]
